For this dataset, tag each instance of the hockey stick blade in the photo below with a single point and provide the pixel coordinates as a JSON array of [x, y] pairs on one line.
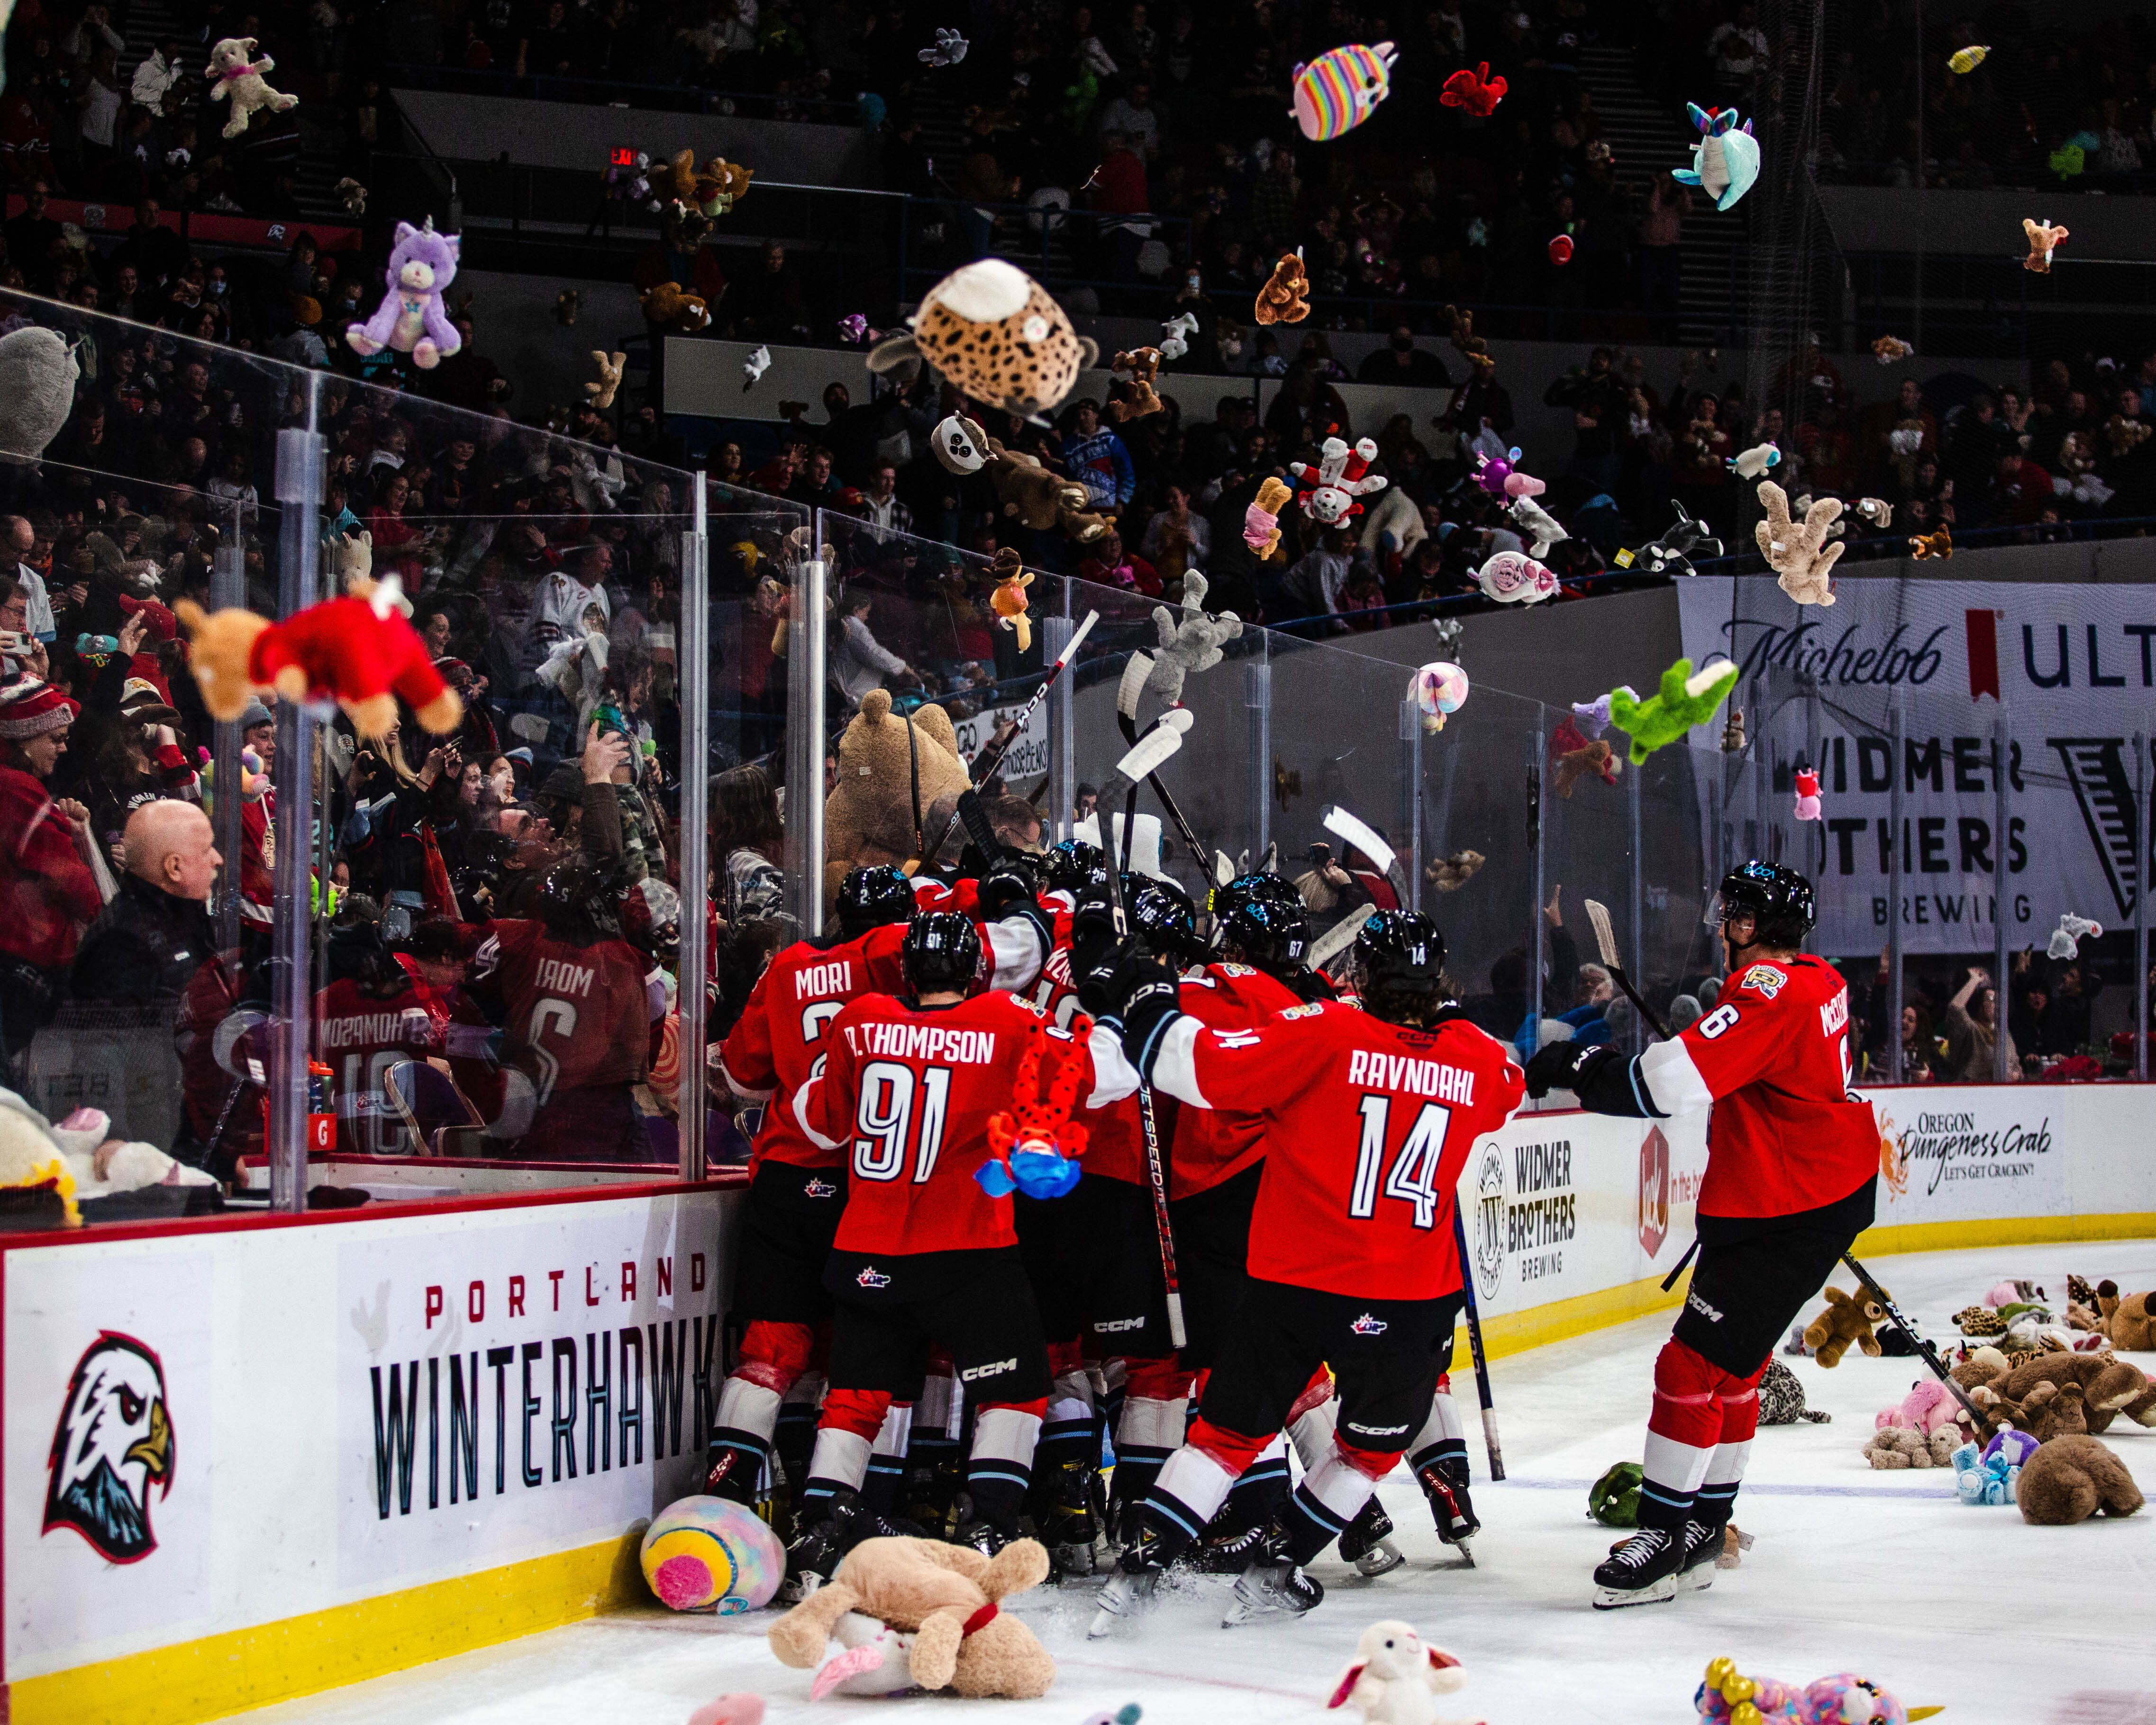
[[1351, 831], [1224, 871], [1336, 939], [1138, 668], [1605, 938], [1152, 752], [1085, 628]]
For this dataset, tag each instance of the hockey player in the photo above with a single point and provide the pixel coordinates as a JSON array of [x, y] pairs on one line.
[[1369, 1118], [374, 1016], [797, 1187], [907, 1087], [1792, 1163]]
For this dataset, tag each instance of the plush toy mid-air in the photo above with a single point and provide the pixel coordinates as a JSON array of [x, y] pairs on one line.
[[1725, 161], [1337, 91]]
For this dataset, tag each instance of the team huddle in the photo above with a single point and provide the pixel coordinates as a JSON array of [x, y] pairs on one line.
[[1255, 1247]]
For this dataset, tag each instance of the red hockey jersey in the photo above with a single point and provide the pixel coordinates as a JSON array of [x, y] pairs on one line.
[[1771, 1062], [782, 1029], [1216, 1144], [1367, 1127], [906, 1092], [359, 1037], [574, 1017]]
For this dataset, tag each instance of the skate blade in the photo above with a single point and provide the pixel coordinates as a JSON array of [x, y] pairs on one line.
[[1658, 1592], [1241, 1612], [1104, 1622], [1381, 1559], [1697, 1580], [1466, 1547]]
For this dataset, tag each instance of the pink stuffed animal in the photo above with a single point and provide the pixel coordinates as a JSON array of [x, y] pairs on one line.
[[1513, 579], [1928, 1406], [1502, 478], [1808, 807]]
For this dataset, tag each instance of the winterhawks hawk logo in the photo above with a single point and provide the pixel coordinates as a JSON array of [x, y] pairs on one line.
[[872, 1277], [1370, 1324], [113, 1443]]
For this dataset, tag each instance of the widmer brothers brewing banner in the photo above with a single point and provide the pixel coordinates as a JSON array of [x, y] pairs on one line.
[[2076, 667]]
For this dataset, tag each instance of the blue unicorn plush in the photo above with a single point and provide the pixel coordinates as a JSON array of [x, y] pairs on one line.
[[1725, 161]]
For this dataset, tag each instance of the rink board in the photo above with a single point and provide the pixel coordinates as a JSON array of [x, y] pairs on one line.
[[289, 1559]]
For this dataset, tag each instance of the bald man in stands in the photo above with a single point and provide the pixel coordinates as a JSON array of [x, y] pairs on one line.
[[156, 932]]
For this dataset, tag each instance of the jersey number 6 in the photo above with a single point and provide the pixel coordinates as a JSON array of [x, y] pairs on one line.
[[884, 1117], [1413, 1177]]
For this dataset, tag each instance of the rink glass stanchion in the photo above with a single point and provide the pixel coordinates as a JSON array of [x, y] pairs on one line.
[[1538, 935], [1411, 798], [693, 697], [299, 464], [2002, 768], [1062, 792], [806, 675], [1258, 722], [227, 587], [2146, 840], [1897, 744]]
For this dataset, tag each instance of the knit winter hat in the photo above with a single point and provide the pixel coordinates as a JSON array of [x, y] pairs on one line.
[[31, 708]]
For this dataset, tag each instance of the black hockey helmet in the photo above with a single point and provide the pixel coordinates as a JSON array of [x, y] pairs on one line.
[[941, 950], [1400, 955], [1779, 902], [1260, 917], [580, 898], [869, 898], [1073, 863], [1161, 911]]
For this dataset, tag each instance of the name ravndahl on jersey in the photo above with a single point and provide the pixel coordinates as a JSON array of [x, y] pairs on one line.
[[814, 981], [557, 977], [923, 1042], [1404, 1072]]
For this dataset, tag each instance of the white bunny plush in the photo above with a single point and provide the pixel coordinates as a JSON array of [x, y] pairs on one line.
[[1397, 1676]]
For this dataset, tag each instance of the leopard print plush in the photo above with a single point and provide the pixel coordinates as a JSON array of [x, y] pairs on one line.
[[1782, 1398]]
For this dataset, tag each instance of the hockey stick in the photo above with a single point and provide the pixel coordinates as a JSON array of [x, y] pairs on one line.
[[1162, 740], [993, 758], [1127, 691], [1474, 1348], [1350, 829], [1605, 938], [1336, 939]]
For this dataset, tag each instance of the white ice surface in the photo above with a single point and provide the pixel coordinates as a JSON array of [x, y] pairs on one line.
[[1883, 1573]]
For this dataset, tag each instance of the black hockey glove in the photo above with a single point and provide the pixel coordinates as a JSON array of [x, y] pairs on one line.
[[1307, 985], [1559, 1066], [1144, 997], [1605, 1081], [1005, 884]]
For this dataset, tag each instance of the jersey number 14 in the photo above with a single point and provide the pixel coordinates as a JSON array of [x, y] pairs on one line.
[[1413, 1176]]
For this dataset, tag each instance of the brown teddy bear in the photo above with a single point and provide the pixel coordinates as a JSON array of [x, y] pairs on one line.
[[2053, 1410], [1846, 1320], [719, 184], [2127, 1321], [869, 818], [1039, 499], [948, 1596], [667, 307], [1892, 1446], [2071, 1478], [2109, 1386], [1285, 297], [1137, 370]]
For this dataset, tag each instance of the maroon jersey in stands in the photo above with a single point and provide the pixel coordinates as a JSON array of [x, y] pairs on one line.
[[907, 1092], [359, 1036], [1367, 1127], [1771, 1061], [574, 1017], [1214, 1145], [782, 1031]]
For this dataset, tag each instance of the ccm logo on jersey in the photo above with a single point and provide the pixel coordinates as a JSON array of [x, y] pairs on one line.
[[1765, 978], [824, 1188], [1115, 1326], [996, 1369], [1370, 1324], [872, 1277]]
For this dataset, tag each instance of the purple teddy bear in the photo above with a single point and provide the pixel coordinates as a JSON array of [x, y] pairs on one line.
[[410, 318]]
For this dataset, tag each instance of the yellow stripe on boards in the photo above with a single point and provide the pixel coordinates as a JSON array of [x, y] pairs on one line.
[[2016, 1230], [218, 1675]]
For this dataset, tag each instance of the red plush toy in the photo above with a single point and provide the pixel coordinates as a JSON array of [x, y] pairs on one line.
[[358, 650], [1477, 92]]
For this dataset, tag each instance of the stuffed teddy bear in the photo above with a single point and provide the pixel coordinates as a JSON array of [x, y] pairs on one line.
[[869, 817], [1189, 644], [2126, 435], [410, 318], [2053, 1410], [1396, 1676], [1261, 520], [1037, 498], [2073, 1477], [1931, 545], [2127, 1321], [1470, 346], [1896, 1446], [2043, 238], [1802, 558], [38, 374], [667, 307], [716, 187], [1846, 1319], [1578, 756], [1008, 601], [948, 1597], [1449, 874], [359, 650], [2110, 1386], [1138, 370], [1682, 700], [236, 75], [1476, 92], [610, 367], [995, 333], [1891, 350], [1285, 297]]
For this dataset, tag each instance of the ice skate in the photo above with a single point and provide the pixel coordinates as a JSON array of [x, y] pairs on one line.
[[976, 1529], [1702, 1546], [1642, 1571], [1446, 1487], [733, 1470], [1131, 1587], [1365, 1541], [1070, 1520], [821, 1540], [1272, 1587]]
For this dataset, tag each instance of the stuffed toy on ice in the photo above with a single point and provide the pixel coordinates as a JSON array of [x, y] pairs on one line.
[[2043, 240], [1725, 161], [1189, 643], [1928, 1406], [2126, 1320], [357, 650], [1894, 1447], [996, 335], [1008, 601], [236, 75], [1340, 89], [38, 374], [1261, 520], [1672, 553], [873, 1659], [1396, 1676], [411, 318], [2110, 1387], [1848, 1319], [1537, 524], [1802, 556], [2071, 1478], [2065, 942], [948, 1597], [1728, 1697], [1137, 370], [1512, 578], [1342, 474], [1285, 297], [1683, 699]]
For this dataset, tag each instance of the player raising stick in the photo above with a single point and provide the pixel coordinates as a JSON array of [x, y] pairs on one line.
[[1792, 1160], [1369, 1115]]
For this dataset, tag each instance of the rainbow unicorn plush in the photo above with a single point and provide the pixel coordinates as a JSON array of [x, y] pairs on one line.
[[1725, 161]]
